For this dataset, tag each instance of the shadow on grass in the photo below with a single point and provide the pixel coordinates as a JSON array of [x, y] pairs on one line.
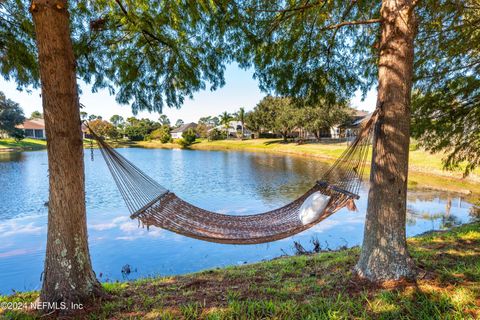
[[325, 141], [316, 286]]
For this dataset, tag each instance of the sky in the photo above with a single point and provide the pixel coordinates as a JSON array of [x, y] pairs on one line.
[[240, 90]]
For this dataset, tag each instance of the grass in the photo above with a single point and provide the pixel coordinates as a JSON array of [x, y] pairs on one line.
[[426, 169], [419, 159], [319, 286], [22, 145]]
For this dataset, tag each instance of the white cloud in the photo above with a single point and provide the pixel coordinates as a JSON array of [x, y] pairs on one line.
[[16, 252], [11, 227], [103, 226]]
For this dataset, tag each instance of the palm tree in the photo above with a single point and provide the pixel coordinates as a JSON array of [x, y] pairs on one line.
[[117, 120], [164, 120], [225, 119], [241, 118]]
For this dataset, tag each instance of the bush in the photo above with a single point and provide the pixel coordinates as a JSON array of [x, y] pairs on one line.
[[189, 136], [113, 133], [183, 143], [162, 134], [17, 134], [135, 133], [202, 130], [216, 134]]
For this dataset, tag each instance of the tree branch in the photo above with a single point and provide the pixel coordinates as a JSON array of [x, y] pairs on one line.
[[300, 8], [350, 23], [144, 31]]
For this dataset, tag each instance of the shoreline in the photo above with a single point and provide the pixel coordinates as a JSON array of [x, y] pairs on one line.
[[308, 286], [419, 177], [425, 177]]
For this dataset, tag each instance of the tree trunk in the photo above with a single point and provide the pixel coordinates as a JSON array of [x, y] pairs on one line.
[[384, 253], [68, 275]]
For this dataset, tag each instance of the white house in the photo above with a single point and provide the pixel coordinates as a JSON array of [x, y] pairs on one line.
[[177, 133], [34, 128], [233, 127]]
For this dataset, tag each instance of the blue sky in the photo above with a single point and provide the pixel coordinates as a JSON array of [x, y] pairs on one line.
[[240, 90]]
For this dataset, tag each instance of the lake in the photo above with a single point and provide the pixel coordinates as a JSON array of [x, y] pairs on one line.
[[226, 182]]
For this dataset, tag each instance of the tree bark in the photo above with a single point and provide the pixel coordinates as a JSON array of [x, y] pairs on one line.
[[68, 275], [384, 253]]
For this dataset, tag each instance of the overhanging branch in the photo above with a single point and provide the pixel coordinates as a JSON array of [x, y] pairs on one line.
[[350, 23]]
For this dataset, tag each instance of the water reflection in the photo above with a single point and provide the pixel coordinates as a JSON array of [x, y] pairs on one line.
[[227, 182], [11, 156], [475, 212]]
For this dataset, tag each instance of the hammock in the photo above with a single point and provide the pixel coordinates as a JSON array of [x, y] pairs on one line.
[[154, 205]]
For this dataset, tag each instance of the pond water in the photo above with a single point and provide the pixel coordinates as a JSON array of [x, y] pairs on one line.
[[226, 182]]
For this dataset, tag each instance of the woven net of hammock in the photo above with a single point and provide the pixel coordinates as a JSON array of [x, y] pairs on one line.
[[154, 205]]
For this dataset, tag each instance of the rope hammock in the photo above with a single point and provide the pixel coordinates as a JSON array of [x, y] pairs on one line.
[[154, 205]]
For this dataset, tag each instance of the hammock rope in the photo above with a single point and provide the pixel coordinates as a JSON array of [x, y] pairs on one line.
[[154, 205]]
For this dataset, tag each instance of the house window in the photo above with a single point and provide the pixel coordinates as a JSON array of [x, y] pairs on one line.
[[29, 133], [39, 133]]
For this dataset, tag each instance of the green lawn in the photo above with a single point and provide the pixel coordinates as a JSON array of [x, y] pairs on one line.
[[319, 286], [418, 158], [25, 144], [426, 169]]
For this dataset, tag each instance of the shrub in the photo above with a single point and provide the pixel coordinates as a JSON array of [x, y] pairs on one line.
[[216, 134], [17, 134], [162, 134], [113, 133], [202, 130], [183, 143], [189, 136], [135, 133]]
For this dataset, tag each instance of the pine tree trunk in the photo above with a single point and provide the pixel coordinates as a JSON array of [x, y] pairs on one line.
[[68, 275], [384, 253]]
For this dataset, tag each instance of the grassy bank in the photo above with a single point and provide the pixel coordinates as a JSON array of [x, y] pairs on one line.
[[426, 170], [22, 145], [319, 286], [420, 160]]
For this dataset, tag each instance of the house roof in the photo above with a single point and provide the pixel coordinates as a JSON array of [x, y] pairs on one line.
[[32, 124], [360, 120], [185, 127], [357, 118], [360, 113]]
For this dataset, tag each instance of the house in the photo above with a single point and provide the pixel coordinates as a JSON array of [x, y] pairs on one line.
[[234, 127], [33, 128], [177, 133], [85, 132], [346, 130], [350, 128]]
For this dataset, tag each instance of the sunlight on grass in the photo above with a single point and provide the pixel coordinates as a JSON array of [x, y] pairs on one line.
[[426, 169], [27, 144], [318, 286]]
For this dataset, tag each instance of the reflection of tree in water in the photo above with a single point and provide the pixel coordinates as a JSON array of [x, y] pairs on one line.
[[414, 215], [431, 195], [447, 220], [11, 156], [284, 178], [474, 212]]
